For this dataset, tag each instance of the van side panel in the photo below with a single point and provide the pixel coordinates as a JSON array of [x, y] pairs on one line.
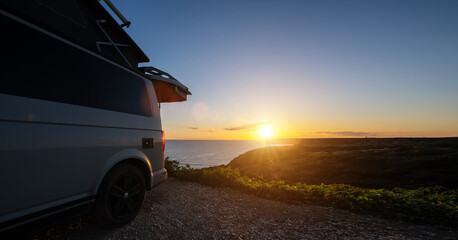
[[158, 154], [42, 162]]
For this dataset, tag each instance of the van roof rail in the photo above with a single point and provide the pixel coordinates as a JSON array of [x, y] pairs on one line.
[[125, 22]]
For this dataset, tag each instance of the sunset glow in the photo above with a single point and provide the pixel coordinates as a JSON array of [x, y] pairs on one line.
[[384, 69], [265, 131]]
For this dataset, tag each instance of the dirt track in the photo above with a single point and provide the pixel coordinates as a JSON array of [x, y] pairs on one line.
[[184, 210]]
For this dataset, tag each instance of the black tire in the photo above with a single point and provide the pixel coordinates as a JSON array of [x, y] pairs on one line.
[[120, 196]]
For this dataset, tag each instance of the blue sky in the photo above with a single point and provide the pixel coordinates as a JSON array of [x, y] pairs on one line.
[[388, 68]]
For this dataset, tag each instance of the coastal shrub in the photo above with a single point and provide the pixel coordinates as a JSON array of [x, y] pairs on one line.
[[433, 205]]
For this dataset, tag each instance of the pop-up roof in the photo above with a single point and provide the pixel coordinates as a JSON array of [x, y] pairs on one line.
[[168, 89]]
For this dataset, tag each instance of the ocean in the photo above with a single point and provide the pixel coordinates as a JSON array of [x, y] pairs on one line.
[[208, 153]]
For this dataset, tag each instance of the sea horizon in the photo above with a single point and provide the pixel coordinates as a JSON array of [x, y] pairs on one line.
[[212, 153]]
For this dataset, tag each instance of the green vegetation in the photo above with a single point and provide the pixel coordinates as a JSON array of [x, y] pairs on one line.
[[386, 163], [433, 205]]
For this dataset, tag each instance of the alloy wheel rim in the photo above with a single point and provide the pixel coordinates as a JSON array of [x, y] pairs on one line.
[[124, 196]]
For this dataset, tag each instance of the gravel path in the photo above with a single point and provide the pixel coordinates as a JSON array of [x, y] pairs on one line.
[[185, 210]]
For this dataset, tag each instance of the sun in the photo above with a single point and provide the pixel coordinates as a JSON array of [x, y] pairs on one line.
[[265, 131]]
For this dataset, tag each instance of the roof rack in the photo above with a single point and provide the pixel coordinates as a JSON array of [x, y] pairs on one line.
[[156, 72], [168, 89]]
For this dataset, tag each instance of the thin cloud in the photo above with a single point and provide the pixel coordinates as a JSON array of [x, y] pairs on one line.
[[202, 129], [347, 134], [248, 127]]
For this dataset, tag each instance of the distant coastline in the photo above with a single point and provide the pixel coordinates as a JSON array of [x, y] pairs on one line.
[[365, 162]]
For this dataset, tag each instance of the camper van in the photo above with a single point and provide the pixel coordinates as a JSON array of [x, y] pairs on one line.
[[80, 124]]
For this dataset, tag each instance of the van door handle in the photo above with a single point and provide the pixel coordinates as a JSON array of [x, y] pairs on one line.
[[147, 142]]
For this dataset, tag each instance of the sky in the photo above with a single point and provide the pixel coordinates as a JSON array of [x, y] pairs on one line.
[[304, 68]]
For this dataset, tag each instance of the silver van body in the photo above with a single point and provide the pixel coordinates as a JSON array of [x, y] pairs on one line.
[[70, 117]]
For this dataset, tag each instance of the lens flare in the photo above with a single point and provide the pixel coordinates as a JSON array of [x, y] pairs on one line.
[[265, 131]]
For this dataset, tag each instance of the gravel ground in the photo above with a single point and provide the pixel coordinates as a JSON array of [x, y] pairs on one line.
[[185, 210]]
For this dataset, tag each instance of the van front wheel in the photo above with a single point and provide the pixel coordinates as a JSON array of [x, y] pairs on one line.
[[120, 196]]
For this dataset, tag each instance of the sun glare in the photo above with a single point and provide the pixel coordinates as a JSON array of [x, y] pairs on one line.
[[265, 131]]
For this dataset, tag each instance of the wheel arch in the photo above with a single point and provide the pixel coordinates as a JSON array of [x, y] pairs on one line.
[[131, 156]]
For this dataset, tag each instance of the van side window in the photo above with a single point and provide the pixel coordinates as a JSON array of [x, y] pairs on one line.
[[115, 89]]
